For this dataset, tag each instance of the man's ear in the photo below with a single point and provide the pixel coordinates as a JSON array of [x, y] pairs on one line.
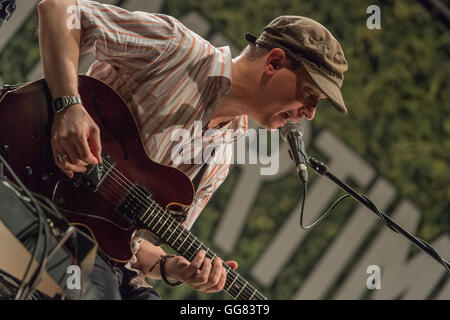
[[275, 60]]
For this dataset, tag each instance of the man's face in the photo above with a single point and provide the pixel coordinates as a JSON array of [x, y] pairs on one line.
[[287, 95]]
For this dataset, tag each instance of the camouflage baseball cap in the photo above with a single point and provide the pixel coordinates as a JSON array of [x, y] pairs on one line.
[[309, 42]]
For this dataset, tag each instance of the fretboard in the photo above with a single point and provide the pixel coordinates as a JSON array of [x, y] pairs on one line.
[[165, 227]]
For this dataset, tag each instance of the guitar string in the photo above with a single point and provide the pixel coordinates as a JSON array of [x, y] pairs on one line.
[[246, 286], [236, 279], [169, 229], [253, 291], [191, 252], [243, 286]]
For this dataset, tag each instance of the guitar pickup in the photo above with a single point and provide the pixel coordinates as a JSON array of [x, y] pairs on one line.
[[137, 202], [94, 176]]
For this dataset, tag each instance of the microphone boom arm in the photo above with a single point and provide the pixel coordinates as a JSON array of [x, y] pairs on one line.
[[322, 169]]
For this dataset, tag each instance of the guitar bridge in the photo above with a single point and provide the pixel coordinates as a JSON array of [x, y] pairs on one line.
[[94, 176]]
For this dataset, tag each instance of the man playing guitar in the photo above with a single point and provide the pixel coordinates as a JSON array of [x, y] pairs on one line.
[[170, 78]]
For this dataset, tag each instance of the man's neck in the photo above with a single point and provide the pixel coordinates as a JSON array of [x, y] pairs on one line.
[[240, 98], [225, 112]]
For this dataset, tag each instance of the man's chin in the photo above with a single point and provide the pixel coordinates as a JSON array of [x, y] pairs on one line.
[[271, 126], [275, 125]]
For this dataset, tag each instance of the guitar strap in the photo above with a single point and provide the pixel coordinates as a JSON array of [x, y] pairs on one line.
[[198, 177], [181, 217]]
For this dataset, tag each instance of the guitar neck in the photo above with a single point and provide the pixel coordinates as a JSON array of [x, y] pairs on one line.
[[165, 227]]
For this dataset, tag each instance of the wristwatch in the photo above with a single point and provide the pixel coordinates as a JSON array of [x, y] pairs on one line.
[[59, 104]]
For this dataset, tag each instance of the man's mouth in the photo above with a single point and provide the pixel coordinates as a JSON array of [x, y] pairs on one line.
[[285, 115]]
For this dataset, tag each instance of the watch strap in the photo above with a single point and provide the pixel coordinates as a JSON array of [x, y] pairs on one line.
[[59, 104]]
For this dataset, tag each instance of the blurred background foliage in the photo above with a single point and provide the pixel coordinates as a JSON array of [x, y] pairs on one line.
[[397, 92]]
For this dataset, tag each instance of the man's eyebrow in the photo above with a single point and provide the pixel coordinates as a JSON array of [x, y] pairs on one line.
[[322, 95], [317, 91], [311, 84]]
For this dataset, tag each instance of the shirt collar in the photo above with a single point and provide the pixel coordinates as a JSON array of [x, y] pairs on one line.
[[222, 63], [221, 69]]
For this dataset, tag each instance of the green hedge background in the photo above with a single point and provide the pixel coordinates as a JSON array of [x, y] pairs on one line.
[[397, 91]]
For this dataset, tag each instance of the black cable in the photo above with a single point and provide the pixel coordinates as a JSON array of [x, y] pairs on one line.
[[60, 223], [41, 219], [29, 289], [322, 169], [37, 274], [397, 229], [27, 232], [36, 207], [22, 293], [327, 213], [60, 219]]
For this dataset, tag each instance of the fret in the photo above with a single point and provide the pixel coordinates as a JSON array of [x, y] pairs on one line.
[[148, 209], [251, 297], [236, 287], [174, 229], [161, 226], [240, 291], [189, 247], [145, 213], [156, 224], [229, 286], [178, 249], [177, 237], [151, 215], [167, 229], [195, 251]]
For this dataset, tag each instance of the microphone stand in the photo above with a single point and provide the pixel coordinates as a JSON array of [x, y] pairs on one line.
[[322, 169]]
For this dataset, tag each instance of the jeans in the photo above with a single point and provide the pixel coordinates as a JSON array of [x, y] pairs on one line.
[[114, 282]]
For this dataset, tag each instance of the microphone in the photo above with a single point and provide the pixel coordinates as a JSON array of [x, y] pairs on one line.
[[292, 133]]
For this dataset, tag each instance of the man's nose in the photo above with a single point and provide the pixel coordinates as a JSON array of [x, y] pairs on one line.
[[307, 111]]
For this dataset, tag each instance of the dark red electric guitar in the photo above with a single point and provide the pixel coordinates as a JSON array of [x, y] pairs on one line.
[[128, 192]]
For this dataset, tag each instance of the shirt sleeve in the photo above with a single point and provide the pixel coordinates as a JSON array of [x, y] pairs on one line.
[[134, 40]]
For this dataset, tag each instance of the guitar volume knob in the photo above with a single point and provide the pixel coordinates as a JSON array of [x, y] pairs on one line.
[[5, 150], [28, 171]]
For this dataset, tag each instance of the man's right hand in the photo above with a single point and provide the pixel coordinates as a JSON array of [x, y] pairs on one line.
[[75, 140]]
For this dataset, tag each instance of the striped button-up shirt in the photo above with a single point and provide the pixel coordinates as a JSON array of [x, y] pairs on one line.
[[172, 79]]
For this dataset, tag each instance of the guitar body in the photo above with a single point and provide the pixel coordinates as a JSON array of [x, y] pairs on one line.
[[25, 131], [128, 192]]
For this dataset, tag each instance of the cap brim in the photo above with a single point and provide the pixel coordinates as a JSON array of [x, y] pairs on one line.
[[332, 92], [250, 37]]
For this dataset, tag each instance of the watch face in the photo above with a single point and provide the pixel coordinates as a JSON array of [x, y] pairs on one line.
[[56, 105], [61, 103]]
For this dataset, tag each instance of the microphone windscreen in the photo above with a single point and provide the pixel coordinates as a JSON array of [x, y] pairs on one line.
[[291, 127]]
